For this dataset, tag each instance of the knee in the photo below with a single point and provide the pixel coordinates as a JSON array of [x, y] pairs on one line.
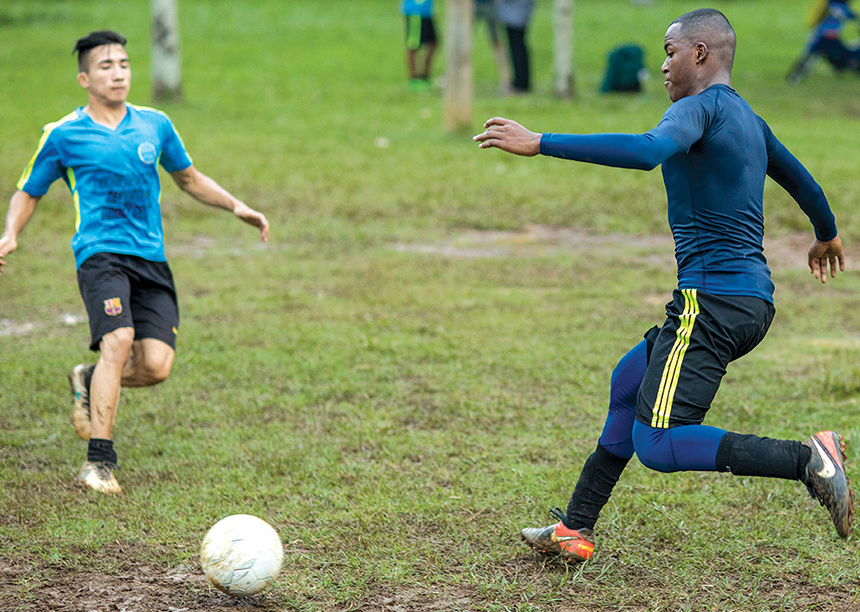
[[653, 460], [156, 369], [150, 363], [116, 345], [653, 448]]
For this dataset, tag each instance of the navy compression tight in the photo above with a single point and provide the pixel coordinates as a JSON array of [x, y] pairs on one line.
[[689, 447]]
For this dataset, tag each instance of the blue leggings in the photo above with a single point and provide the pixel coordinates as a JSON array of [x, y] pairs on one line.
[[683, 448]]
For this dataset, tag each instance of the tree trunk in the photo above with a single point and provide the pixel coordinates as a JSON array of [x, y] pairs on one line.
[[166, 52], [458, 64], [563, 48]]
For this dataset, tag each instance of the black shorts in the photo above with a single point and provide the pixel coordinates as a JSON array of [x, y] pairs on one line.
[[702, 334], [419, 32], [128, 291]]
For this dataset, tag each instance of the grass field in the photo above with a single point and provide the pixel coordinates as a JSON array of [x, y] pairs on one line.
[[417, 364]]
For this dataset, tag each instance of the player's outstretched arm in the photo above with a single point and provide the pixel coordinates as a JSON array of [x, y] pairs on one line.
[[201, 187], [21, 208], [508, 136], [822, 254]]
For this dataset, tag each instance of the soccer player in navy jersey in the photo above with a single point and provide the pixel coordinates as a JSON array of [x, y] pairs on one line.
[[715, 153], [108, 153]]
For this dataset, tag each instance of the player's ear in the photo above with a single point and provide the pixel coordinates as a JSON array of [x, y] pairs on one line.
[[701, 52], [83, 79]]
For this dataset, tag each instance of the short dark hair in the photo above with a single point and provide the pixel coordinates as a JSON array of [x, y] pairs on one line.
[[93, 40], [695, 24]]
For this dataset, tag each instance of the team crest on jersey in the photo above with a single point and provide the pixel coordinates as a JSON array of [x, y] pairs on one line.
[[147, 152], [113, 307]]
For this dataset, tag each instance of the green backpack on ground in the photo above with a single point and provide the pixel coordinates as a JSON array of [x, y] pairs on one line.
[[625, 64]]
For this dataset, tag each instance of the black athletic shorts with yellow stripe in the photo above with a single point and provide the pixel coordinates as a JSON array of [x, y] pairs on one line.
[[702, 334], [129, 291]]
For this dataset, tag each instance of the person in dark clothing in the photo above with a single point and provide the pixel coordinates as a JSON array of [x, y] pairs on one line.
[[516, 15], [715, 153]]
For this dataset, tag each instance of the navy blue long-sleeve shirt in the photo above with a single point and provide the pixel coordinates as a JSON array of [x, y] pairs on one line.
[[715, 153]]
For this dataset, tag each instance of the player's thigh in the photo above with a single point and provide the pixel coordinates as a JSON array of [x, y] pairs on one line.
[[105, 289], [486, 12], [702, 334], [428, 31], [413, 32], [154, 304], [686, 366]]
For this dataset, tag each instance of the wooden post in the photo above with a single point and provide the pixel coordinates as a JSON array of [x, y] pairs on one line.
[[166, 53], [458, 64], [562, 17]]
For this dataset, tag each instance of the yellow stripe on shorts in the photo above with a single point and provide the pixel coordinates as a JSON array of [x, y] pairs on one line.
[[672, 369]]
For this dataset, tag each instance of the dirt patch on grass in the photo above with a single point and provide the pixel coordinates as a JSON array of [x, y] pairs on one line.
[[135, 588], [28, 587], [141, 588], [391, 598], [785, 252]]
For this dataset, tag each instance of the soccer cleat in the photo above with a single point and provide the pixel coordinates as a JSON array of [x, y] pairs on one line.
[[98, 475], [80, 378], [570, 544], [826, 479], [419, 84]]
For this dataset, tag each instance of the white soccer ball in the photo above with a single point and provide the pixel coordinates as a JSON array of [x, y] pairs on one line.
[[241, 555]]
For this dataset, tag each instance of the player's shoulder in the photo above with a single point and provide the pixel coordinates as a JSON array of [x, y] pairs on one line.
[[689, 106], [148, 113], [761, 121], [765, 130], [709, 108], [721, 94], [706, 99], [720, 100], [75, 116]]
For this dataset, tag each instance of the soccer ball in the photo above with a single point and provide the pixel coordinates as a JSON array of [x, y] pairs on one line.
[[241, 555]]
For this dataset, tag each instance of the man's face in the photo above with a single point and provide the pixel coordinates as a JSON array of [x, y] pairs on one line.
[[680, 67], [108, 76]]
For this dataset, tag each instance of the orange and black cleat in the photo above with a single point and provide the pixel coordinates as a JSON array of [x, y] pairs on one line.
[[571, 545]]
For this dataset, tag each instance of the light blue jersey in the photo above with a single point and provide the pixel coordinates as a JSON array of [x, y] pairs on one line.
[[422, 8], [113, 177]]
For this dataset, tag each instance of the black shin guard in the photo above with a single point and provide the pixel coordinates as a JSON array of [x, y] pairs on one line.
[[748, 455], [101, 450], [601, 471]]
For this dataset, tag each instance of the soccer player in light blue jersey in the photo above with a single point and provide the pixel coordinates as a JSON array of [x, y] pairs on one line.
[[715, 153], [420, 37], [108, 153]]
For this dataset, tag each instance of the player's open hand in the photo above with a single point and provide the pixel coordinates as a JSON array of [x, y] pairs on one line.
[[822, 254], [508, 136], [7, 245], [252, 217]]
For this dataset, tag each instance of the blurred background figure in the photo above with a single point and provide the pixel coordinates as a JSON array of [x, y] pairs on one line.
[[420, 41], [516, 15], [625, 70], [485, 10], [827, 20]]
